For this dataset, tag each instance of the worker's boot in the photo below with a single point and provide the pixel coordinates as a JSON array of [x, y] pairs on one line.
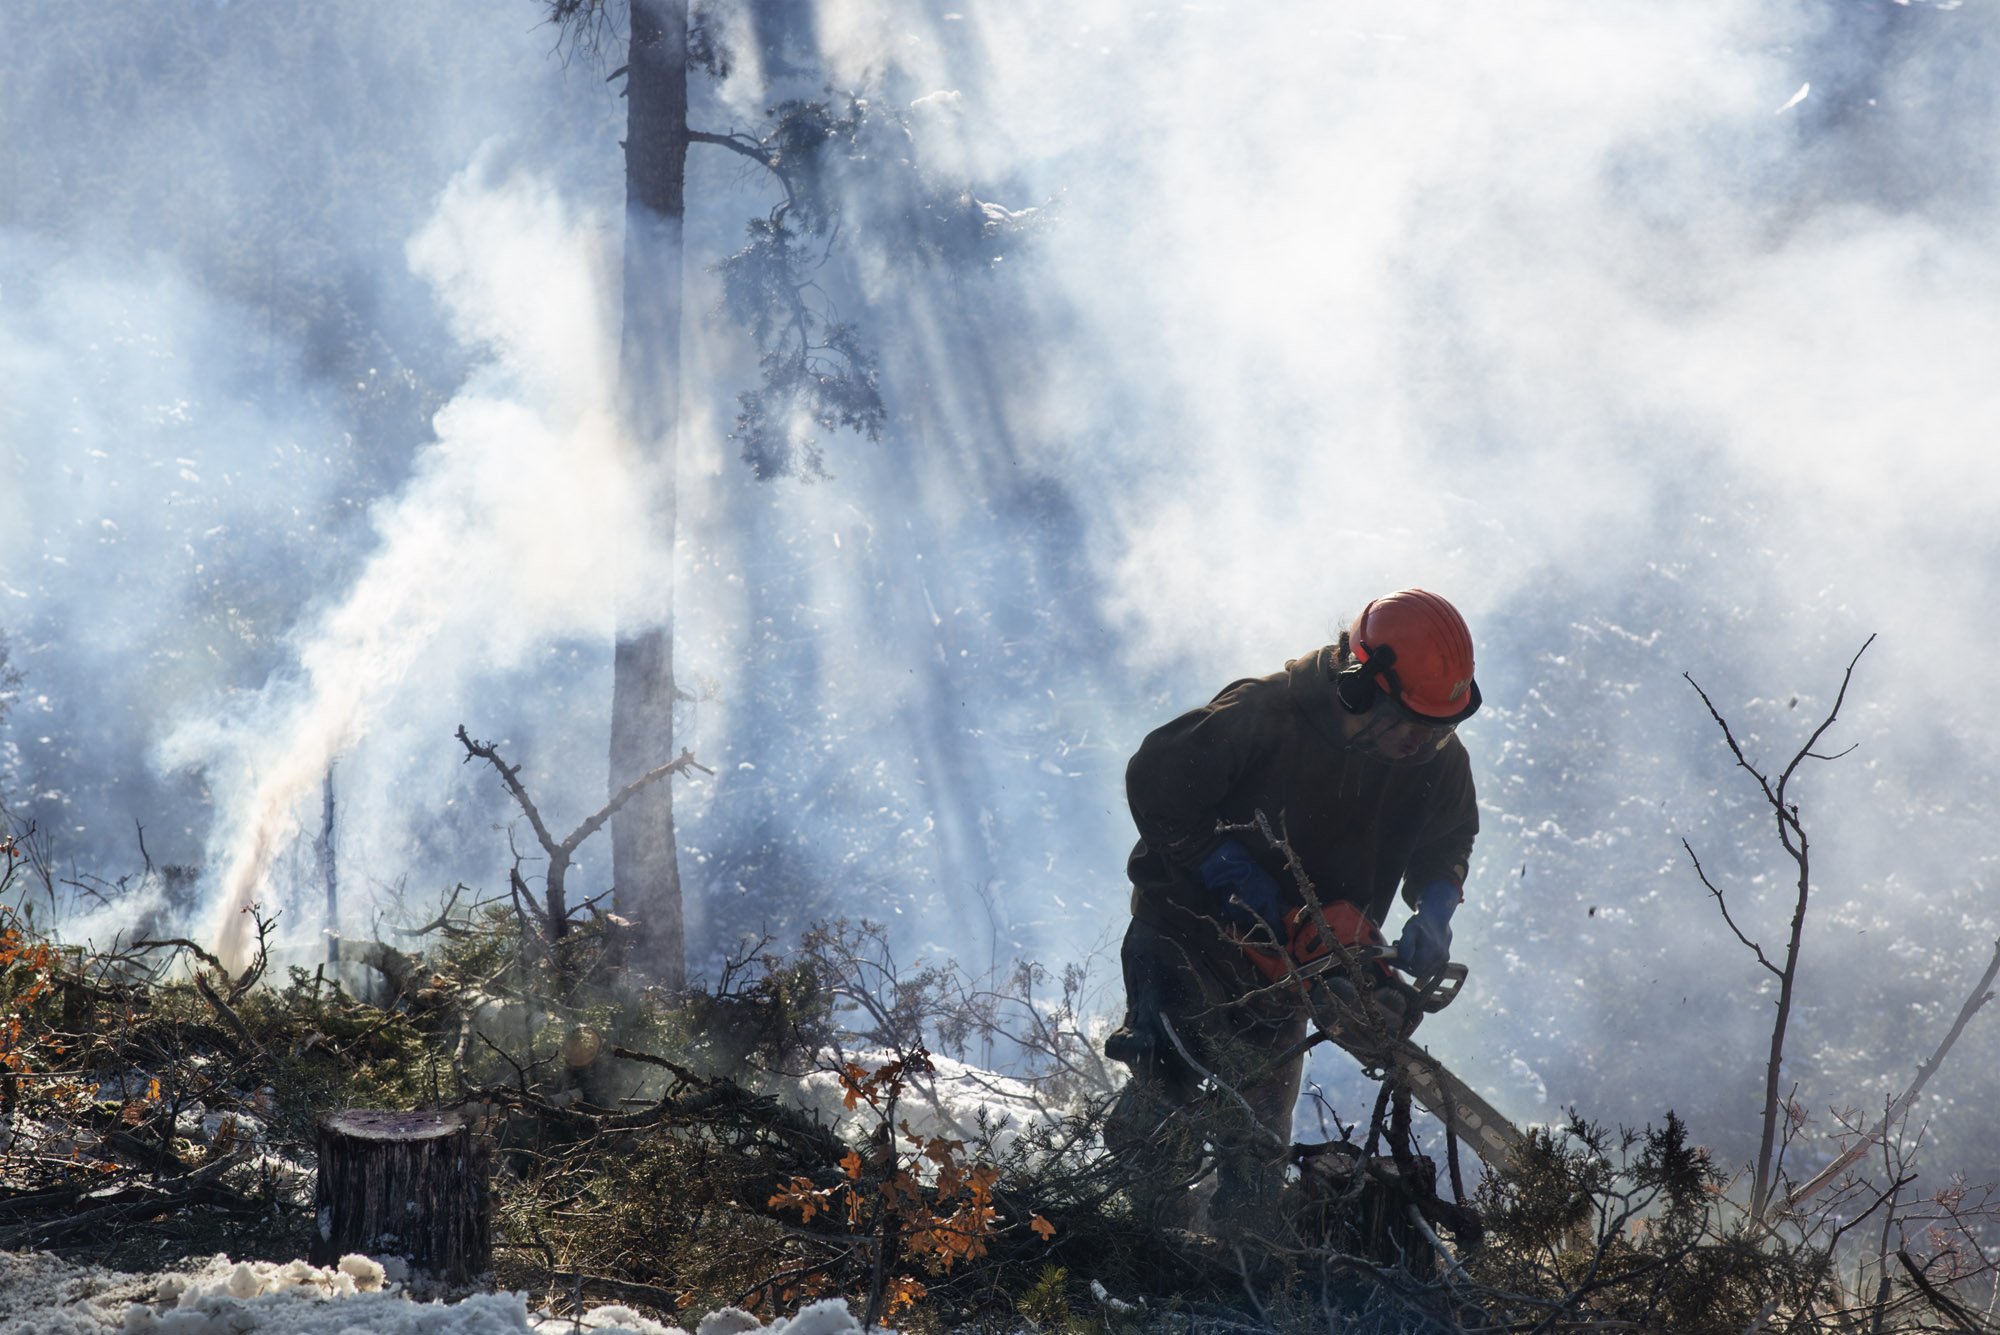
[[1246, 1202]]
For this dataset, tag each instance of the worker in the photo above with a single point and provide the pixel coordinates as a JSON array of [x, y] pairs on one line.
[[1351, 757]]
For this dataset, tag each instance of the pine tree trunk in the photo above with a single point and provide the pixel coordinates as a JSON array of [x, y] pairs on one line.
[[644, 863], [412, 1185]]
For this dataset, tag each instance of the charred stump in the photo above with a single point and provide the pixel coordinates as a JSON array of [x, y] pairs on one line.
[[405, 1184]]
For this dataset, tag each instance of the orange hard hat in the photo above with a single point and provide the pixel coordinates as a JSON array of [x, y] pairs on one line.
[[1413, 647]]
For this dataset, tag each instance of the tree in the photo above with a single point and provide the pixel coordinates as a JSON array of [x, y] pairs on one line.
[[1792, 837], [645, 867], [816, 373]]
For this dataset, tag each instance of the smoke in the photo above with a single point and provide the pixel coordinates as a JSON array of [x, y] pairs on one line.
[[1584, 317], [502, 541], [1578, 314]]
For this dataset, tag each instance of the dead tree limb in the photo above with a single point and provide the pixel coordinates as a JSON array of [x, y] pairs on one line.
[[227, 1014], [401, 971], [1945, 1305], [554, 911], [238, 984], [442, 922], [1792, 837], [137, 1201], [181, 943], [1982, 992]]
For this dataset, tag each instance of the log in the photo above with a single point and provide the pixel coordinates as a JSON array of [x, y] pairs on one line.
[[406, 1184]]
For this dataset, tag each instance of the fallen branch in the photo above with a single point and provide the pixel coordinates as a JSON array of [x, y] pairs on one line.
[[182, 943], [152, 1201], [1981, 994], [401, 970]]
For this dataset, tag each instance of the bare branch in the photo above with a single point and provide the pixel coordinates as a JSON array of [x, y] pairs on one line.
[[1723, 904], [182, 943], [736, 142], [1832, 714], [1729, 736], [680, 764], [510, 775], [1884, 1197], [524, 898], [441, 923], [553, 914], [261, 960], [227, 1014]]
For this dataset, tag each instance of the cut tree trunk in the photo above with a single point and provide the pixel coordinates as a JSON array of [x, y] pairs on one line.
[[405, 1184]]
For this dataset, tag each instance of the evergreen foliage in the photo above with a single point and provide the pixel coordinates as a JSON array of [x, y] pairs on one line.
[[781, 1138]]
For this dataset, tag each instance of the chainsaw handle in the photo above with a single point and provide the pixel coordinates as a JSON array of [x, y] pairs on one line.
[[1433, 993]]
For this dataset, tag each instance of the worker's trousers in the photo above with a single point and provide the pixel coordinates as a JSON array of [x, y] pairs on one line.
[[1220, 1083]]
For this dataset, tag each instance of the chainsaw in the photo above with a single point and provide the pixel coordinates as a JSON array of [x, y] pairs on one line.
[[1358, 1002]]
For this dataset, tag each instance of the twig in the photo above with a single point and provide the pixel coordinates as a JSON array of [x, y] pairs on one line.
[[1221, 1084], [1723, 904], [1452, 1267]]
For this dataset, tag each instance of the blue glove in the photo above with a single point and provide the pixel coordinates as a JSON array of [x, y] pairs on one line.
[[1231, 871], [1425, 945]]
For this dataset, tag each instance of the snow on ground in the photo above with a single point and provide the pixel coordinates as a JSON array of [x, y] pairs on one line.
[[44, 1295], [948, 1102]]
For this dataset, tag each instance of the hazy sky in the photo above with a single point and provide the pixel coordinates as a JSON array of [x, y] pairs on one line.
[[1658, 337]]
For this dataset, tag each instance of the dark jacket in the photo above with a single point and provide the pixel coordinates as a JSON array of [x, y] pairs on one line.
[[1273, 744]]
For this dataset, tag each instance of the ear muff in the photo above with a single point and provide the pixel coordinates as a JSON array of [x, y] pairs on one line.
[[1357, 685]]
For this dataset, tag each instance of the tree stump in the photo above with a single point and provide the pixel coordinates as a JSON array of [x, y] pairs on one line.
[[406, 1184], [1363, 1207]]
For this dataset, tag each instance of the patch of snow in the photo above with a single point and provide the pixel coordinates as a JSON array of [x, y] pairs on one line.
[[948, 1102], [44, 1295]]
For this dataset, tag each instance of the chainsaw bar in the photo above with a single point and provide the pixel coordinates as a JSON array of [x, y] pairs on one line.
[[1458, 1105], [1455, 1103]]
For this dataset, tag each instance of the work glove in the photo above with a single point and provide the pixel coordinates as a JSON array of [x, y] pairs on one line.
[[1235, 876], [1425, 945]]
